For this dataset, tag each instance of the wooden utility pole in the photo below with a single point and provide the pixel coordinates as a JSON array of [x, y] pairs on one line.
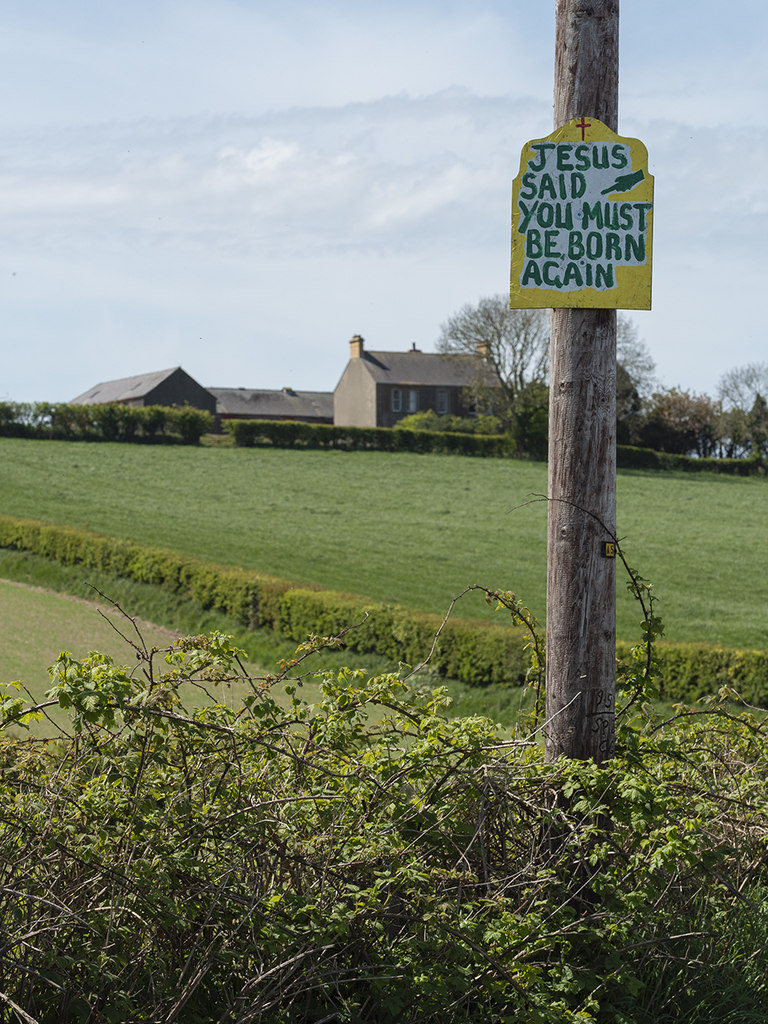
[[581, 581]]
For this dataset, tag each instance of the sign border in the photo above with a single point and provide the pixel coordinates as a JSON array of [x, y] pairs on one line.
[[633, 284]]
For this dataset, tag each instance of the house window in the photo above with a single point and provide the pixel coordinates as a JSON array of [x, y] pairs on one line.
[[397, 400], [413, 401], [442, 402]]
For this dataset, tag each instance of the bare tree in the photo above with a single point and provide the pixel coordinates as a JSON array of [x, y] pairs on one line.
[[633, 356], [742, 393], [740, 387], [514, 341], [635, 380]]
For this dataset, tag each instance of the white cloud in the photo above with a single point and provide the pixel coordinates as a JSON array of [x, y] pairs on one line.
[[272, 177], [261, 162]]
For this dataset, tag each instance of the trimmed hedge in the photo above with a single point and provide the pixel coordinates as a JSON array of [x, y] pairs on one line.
[[112, 421], [184, 425], [233, 591], [693, 670], [477, 653], [291, 434], [628, 457]]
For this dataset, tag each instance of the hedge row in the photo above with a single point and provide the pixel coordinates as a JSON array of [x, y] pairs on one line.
[[109, 422], [186, 425], [692, 671], [628, 457], [291, 434], [233, 591], [476, 653], [288, 434]]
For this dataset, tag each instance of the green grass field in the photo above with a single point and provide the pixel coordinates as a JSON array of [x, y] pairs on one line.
[[414, 529], [43, 622]]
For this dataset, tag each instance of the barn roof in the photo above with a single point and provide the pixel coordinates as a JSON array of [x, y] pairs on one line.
[[283, 404], [124, 389]]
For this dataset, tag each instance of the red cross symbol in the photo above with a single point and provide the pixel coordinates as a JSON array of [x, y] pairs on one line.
[[583, 124]]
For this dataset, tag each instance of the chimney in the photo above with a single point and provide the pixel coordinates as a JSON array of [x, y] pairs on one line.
[[355, 346], [483, 348]]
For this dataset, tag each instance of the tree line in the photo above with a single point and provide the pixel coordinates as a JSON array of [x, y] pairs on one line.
[[733, 424]]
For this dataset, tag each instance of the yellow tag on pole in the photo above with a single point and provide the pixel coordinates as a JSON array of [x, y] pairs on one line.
[[582, 218]]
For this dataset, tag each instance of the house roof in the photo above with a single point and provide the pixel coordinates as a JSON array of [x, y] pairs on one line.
[[124, 389], [436, 368], [266, 404]]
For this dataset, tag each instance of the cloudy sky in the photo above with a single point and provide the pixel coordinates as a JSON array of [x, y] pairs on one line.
[[238, 186]]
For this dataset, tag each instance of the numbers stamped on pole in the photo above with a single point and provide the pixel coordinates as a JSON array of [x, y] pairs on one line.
[[582, 220]]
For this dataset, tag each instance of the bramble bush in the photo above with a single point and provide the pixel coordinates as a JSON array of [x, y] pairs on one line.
[[367, 858]]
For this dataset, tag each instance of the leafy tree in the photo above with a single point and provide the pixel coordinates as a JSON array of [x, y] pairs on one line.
[[531, 429], [430, 420], [191, 423], [757, 424], [629, 408], [516, 343], [735, 434], [683, 423], [153, 420]]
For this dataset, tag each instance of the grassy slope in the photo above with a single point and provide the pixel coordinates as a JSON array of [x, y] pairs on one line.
[[43, 623], [403, 527]]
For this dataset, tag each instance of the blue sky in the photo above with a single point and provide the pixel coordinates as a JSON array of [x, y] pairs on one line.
[[239, 186]]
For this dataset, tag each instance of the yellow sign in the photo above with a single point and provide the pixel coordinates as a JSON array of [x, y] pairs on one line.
[[582, 218]]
